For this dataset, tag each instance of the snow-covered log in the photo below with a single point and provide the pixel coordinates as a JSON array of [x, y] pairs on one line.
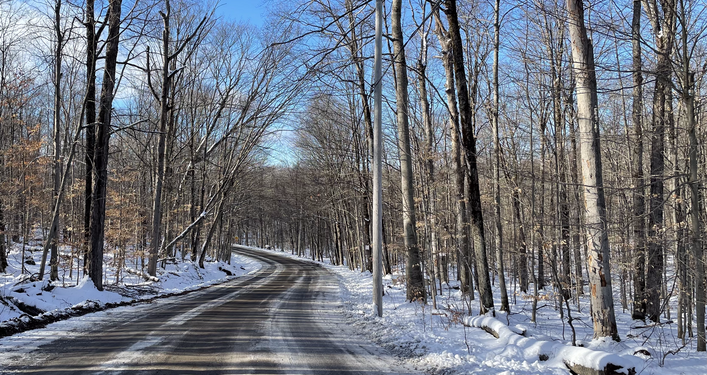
[[142, 274], [578, 360]]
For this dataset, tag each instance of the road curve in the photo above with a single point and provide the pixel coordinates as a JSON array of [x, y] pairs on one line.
[[281, 320]]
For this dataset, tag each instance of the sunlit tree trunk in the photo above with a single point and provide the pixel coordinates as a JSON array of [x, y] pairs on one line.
[[664, 29], [469, 142], [639, 222], [364, 176], [53, 238], [461, 218], [56, 173], [697, 256], [98, 208], [415, 282], [497, 162], [429, 165], [590, 148], [155, 242]]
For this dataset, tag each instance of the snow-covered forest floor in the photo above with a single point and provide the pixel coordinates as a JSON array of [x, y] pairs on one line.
[[437, 341], [432, 340], [20, 296]]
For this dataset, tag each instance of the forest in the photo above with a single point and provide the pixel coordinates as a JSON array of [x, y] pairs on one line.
[[527, 147]]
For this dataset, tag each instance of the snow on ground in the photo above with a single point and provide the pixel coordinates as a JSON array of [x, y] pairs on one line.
[[433, 340], [16, 287], [436, 341]]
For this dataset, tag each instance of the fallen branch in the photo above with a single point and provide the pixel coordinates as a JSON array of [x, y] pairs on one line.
[[227, 272], [142, 274]]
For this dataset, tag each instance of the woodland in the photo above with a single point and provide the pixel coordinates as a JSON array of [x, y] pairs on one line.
[[529, 146]]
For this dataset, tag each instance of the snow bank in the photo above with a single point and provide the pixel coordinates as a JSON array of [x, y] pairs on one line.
[[27, 304], [580, 360]]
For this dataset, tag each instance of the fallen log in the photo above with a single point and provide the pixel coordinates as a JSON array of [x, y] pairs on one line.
[[579, 360], [142, 274]]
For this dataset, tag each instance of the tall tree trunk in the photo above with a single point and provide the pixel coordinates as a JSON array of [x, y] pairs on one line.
[[365, 177], [98, 209], [639, 206], [497, 162], [56, 174], [533, 183], [3, 237], [518, 218], [697, 246], [461, 219], [664, 28], [577, 217], [697, 256], [541, 242], [90, 109], [53, 237], [155, 242], [590, 148], [469, 142], [429, 158], [523, 249], [415, 281], [556, 53]]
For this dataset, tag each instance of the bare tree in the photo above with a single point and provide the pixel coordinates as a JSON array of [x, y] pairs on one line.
[[53, 241], [469, 142], [687, 80], [415, 282], [169, 54], [497, 160], [428, 157], [594, 202], [662, 19], [639, 206], [98, 208], [458, 170], [92, 36]]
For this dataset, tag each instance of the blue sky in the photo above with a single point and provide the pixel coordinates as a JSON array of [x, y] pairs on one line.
[[250, 11]]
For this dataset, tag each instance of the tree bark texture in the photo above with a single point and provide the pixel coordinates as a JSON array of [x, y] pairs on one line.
[[497, 162], [594, 202], [469, 142], [639, 205], [461, 218], [415, 281], [90, 114], [155, 242], [53, 237], [56, 173], [429, 159], [664, 29], [98, 209]]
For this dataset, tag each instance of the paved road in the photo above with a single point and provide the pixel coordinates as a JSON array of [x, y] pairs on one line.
[[281, 320]]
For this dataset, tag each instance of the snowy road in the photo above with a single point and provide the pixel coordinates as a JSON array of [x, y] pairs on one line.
[[284, 319]]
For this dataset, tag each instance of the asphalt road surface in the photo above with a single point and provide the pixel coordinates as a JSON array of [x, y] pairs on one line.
[[284, 319]]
